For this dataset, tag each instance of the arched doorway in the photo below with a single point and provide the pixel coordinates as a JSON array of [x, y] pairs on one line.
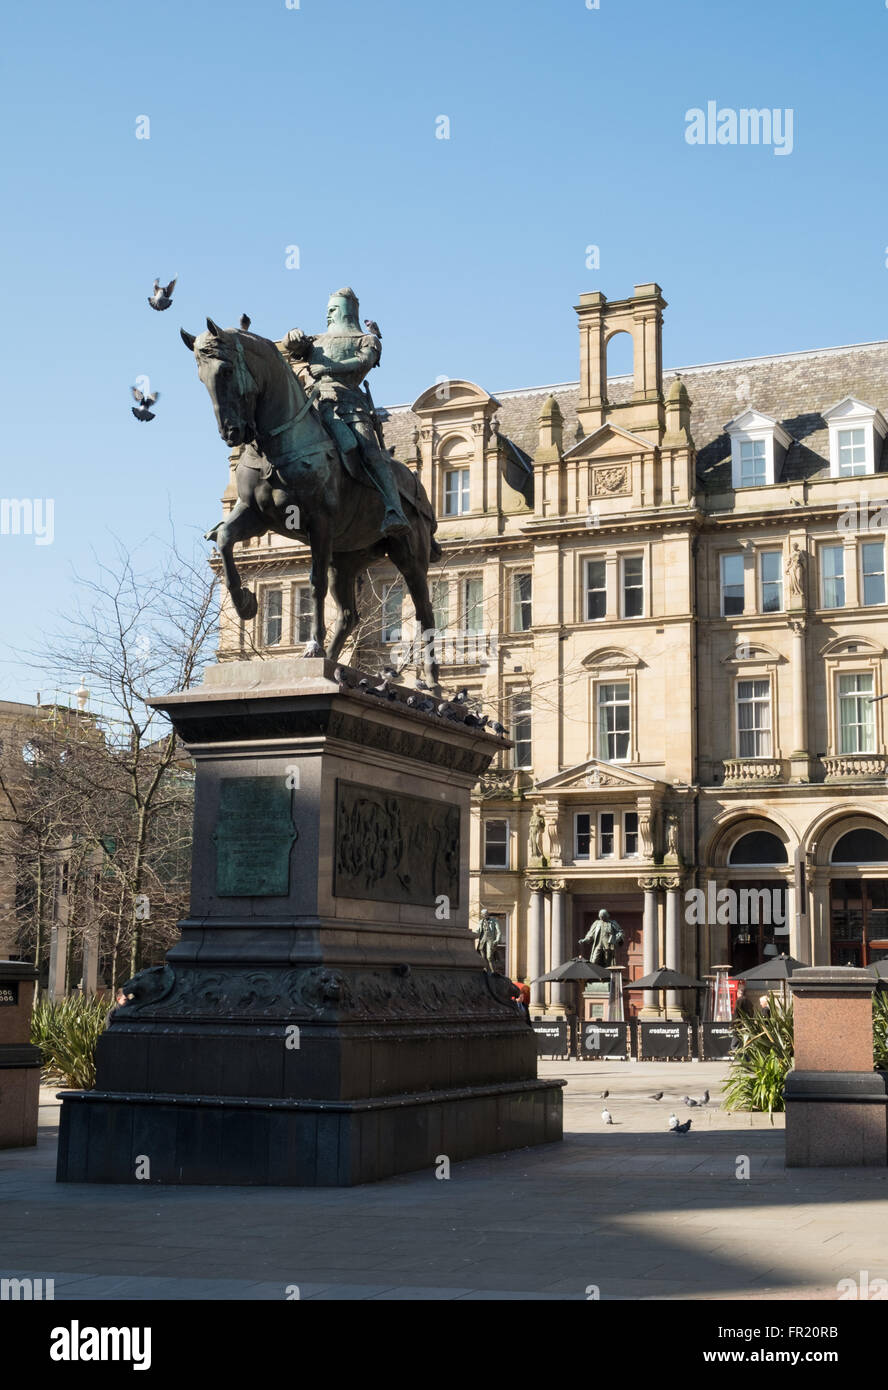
[[859, 897], [757, 908]]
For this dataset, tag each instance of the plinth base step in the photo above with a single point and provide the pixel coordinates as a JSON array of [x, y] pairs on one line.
[[114, 1137]]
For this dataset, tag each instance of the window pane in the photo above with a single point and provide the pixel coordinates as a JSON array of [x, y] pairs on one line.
[[771, 562], [873, 566], [473, 614], [272, 616], [302, 613], [441, 604], [521, 602], [583, 835], [393, 595], [613, 721], [732, 584], [596, 595], [753, 464], [857, 725], [630, 833], [496, 844], [852, 453], [633, 586], [832, 569], [754, 719], [520, 731], [605, 834], [456, 491]]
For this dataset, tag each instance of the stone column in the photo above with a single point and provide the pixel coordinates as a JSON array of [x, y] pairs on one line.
[[58, 941], [673, 936], [649, 936], [536, 940], [800, 758], [562, 994]]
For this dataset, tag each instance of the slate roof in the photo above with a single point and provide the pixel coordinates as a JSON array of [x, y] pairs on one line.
[[792, 387]]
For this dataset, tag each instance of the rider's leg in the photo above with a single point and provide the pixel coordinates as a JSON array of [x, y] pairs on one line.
[[378, 466]]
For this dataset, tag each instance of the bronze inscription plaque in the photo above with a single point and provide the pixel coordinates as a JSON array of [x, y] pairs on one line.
[[395, 848], [254, 835]]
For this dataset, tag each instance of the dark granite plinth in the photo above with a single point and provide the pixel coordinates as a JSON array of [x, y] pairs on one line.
[[324, 1019], [278, 1143]]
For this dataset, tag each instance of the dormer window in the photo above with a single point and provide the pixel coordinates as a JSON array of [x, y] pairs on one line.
[[856, 432], [758, 447]]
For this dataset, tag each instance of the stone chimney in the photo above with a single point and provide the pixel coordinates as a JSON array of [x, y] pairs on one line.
[[551, 425], [678, 417]]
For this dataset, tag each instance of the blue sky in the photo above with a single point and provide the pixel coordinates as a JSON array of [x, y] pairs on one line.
[[315, 127]]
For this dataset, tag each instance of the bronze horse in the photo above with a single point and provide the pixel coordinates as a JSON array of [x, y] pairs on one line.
[[291, 479]]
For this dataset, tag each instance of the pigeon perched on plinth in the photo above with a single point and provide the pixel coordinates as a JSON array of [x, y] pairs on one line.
[[245, 322], [142, 411], [162, 297]]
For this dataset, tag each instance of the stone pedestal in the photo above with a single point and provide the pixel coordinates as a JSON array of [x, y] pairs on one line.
[[19, 1059], [836, 1105], [324, 1019]]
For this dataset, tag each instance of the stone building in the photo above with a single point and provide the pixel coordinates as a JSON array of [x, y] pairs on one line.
[[670, 586]]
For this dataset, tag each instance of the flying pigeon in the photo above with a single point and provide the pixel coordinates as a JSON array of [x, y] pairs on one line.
[[681, 1129], [658, 1096], [673, 1121], [161, 298], [245, 322], [606, 1116], [142, 411]]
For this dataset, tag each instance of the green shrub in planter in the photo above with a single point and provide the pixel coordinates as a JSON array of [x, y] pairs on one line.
[[761, 1059], [66, 1031]]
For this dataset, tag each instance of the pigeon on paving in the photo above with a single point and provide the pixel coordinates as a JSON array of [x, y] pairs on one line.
[[603, 1095], [704, 1099], [143, 410], [673, 1121], [606, 1116], [681, 1129], [687, 1100], [657, 1096], [161, 298]]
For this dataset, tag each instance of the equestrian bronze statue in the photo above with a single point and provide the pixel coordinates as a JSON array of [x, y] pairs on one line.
[[313, 466]]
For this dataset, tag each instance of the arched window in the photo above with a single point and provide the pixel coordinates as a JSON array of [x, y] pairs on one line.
[[758, 847], [861, 847], [454, 459]]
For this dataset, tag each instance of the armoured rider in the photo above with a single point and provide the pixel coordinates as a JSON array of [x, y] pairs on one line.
[[335, 363]]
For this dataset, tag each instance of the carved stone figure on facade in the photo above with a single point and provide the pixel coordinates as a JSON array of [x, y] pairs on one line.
[[487, 938], [795, 573], [535, 836], [673, 843], [605, 935]]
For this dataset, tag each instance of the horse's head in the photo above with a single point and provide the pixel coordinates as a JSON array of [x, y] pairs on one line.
[[223, 369]]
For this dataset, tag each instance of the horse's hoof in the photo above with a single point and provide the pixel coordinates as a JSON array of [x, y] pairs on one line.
[[245, 603], [313, 649]]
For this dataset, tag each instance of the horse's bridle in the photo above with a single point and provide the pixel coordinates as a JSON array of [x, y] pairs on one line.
[[246, 384]]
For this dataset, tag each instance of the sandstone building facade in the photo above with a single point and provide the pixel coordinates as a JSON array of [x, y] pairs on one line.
[[671, 588]]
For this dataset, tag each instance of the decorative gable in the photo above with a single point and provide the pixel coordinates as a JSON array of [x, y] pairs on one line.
[[595, 774]]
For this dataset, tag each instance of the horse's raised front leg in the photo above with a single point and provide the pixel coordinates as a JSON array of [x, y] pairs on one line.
[[241, 523], [319, 537]]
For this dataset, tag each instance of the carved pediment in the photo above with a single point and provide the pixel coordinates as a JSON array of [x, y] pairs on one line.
[[453, 394], [612, 659], [609, 441], [595, 774], [852, 646]]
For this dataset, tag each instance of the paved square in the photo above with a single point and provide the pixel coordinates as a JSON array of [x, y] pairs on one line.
[[629, 1209]]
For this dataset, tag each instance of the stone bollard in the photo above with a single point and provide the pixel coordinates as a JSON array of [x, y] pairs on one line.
[[19, 1060], [836, 1104]]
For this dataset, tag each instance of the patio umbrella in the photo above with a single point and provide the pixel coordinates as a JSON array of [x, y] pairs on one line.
[[581, 971], [577, 969], [879, 968], [664, 979], [777, 970]]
